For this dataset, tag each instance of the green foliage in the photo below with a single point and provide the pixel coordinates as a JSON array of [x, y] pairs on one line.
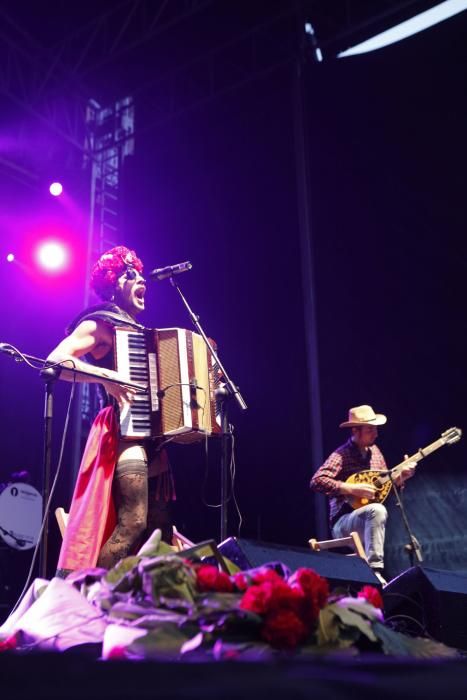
[[397, 644], [343, 622]]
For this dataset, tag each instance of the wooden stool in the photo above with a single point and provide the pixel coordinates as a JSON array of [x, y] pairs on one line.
[[352, 542], [62, 520]]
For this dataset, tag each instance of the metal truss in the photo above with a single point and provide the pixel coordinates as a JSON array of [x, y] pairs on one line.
[[34, 77], [109, 140], [121, 29], [25, 79], [270, 44], [262, 49]]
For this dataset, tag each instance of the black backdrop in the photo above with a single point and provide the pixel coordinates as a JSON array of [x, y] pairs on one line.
[[217, 186]]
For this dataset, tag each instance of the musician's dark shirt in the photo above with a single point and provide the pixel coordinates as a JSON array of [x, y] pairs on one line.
[[341, 464]]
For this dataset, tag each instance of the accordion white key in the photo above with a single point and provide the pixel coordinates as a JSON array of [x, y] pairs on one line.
[[182, 379]]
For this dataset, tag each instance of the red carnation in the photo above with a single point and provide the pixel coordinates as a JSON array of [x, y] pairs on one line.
[[283, 629], [311, 583], [241, 581], [271, 596], [256, 598], [209, 578], [290, 609], [285, 597], [315, 592], [372, 596], [267, 575]]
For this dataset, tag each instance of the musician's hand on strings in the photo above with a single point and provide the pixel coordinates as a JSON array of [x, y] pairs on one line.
[[406, 472], [367, 491]]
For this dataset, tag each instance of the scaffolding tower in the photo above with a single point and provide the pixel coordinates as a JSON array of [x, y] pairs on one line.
[[109, 139]]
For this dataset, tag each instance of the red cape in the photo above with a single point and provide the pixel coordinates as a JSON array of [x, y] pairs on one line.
[[92, 516]]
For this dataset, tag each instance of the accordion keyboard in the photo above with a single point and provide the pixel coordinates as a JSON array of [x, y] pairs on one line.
[[132, 364]]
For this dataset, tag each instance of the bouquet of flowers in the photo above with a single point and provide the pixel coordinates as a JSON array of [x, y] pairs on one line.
[[162, 605]]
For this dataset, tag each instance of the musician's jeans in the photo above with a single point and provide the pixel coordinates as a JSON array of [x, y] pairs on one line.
[[370, 523]]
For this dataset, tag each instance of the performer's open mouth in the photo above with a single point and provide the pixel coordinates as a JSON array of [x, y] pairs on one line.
[[140, 292]]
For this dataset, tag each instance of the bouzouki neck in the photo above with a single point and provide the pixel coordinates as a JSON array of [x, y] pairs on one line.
[[418, 456]]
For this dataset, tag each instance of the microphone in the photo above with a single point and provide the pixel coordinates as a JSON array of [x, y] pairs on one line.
[[193, 387], [161, 273]]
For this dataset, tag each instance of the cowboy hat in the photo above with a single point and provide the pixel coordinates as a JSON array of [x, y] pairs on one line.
[[363, 415]]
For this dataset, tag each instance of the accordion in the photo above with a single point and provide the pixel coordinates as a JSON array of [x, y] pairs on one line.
[[181, 376]]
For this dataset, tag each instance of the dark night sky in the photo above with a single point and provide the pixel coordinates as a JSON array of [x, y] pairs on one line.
[[217, 186]]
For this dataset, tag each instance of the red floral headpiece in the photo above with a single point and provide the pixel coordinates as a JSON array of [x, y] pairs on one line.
[[109, 267]]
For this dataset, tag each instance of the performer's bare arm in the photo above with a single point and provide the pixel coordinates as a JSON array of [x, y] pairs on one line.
[[92, 337]]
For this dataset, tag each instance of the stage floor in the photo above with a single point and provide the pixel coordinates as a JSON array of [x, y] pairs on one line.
[[77, 675]]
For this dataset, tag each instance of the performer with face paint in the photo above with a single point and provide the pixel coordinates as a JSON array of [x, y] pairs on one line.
[[123, 491]]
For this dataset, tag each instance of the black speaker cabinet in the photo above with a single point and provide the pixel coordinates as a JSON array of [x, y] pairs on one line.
[[423, 599], [343, 571]]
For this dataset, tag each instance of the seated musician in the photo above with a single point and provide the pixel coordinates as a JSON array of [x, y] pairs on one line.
[[359, 453], [115, 505]]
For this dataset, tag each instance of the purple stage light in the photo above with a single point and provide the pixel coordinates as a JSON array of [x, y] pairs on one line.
[[56, 189], [10, 257], [52, 256]]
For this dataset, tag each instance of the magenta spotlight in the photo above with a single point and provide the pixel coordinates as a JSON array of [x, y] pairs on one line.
[[10, 257], [52, 256], [56, 189]]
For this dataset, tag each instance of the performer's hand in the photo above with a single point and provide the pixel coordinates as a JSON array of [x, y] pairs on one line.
[[407, 471], [360, 491], [123, 394]]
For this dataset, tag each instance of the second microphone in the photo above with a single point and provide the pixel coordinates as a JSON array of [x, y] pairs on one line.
[[161, 273]]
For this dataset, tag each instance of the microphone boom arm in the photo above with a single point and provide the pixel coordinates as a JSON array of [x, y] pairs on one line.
[[229, 385]]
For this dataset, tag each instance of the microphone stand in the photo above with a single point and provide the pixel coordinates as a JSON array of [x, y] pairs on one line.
[[413, 548], [224, 393], [50, 375], [50, 372]]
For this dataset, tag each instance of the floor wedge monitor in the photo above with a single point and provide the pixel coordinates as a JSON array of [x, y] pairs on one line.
[[347, 572], [426, 600]]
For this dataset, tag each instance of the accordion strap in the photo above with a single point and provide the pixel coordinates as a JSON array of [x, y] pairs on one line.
[[109, 313]]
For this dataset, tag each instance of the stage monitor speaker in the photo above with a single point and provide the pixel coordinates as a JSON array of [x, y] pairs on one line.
[[348, 572], [433, 601]]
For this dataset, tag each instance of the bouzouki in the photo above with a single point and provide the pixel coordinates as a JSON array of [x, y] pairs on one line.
[[382, 482]]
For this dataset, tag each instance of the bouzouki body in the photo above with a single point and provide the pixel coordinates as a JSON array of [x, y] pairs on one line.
[[372, 477]]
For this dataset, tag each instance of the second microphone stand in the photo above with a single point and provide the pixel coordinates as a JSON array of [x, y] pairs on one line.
[[413, 548], [224, 394]]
